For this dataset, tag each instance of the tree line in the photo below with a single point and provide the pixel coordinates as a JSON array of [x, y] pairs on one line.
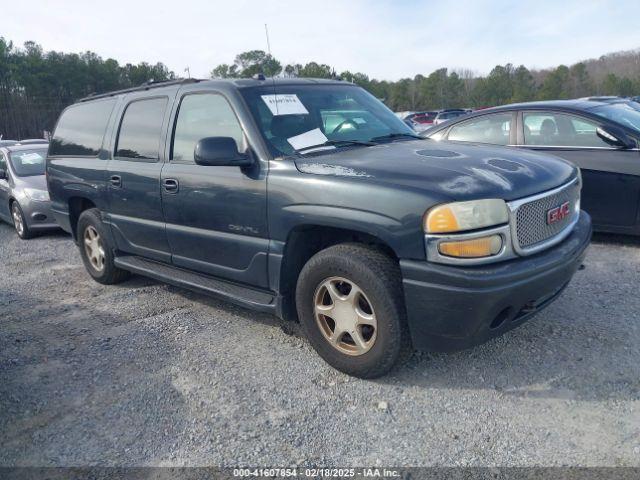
[[36, 85], [613, 74]]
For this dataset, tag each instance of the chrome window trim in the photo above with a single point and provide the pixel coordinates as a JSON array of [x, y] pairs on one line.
[[515, 205], [572, 147]]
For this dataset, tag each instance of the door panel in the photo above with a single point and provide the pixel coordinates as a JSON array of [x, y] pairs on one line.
[[215, 216], [611, 176], [611, 184], [216, 221], [136, 209], [135, 202], [5, 213]]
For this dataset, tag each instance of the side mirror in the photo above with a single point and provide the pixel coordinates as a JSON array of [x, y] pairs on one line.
[[220, 151], [615, 137], [3, 174]]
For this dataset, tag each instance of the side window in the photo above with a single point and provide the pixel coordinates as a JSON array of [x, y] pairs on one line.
[[139, 135], [80, 129], [204, 115], [492, 129], [560, 130]]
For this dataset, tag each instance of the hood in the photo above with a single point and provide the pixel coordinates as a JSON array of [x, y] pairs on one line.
[[453, 170], [39, 182]]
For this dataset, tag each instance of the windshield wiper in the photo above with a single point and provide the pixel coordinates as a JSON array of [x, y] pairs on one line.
[[337, 143], [391, 136]]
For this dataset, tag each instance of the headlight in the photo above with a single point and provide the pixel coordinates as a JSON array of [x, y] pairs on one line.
[[463, 216], [38, 195]]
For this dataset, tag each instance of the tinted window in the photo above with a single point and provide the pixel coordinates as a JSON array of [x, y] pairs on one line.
[[27, 163], [81, 128], [628, 114], [139, 136], [560, 130], [492, 129], [201, 116]]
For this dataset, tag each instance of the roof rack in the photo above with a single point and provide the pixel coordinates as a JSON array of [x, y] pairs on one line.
[[145, 86]]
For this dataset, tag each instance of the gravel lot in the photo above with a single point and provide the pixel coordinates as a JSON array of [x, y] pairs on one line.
[[146, 374]]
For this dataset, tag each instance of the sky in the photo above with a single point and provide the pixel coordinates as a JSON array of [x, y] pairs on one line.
[[384, 39]]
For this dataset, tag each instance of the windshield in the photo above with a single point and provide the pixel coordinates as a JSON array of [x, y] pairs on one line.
[[28, 163], [621, 113], [293, 118]]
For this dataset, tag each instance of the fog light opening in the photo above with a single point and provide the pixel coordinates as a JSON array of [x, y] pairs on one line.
[[502, 317]]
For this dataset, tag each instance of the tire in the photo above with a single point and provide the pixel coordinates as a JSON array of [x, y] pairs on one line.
[[377, 281], [96, 249], [20, 222]]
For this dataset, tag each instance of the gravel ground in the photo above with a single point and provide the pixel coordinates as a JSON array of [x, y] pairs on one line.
[[146, 374]]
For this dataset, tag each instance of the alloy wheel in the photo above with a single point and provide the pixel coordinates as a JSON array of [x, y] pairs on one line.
[[93, 248], [345, 316], [17, 219]]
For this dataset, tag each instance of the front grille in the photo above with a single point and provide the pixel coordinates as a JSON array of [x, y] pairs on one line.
[[532, 227]]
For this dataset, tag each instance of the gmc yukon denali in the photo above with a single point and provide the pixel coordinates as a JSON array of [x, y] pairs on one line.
[[311, 200]]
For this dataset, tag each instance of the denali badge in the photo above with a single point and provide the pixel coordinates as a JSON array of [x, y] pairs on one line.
[[558, 213]]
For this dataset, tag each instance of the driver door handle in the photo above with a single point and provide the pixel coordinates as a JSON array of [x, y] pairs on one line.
[[116, 181]]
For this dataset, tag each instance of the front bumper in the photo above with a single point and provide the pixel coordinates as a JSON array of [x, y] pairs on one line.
[[39, 215], [452, 308]]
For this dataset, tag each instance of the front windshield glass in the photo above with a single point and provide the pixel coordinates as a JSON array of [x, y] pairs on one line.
[[621, 113], [28, 163], [296, 117]]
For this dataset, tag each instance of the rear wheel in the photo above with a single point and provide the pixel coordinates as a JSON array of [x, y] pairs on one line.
[[19, 222], [351, 308], [96, 250]]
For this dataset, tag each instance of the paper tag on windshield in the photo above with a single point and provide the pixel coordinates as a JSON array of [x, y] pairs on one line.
[[285, 104], [31, 158], [308, 139]]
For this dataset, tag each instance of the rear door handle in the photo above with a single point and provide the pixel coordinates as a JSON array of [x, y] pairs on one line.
[[170, 185], [116, 180]]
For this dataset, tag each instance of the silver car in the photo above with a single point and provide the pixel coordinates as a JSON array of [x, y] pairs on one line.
[[24, 200]]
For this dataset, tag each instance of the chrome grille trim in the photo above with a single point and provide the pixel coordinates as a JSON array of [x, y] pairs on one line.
[[529, 230]]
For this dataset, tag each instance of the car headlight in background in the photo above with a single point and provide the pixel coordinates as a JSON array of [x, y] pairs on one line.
[[37, 195], [465, 216]]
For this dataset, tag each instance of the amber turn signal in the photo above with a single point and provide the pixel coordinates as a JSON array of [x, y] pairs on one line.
[[475, 248]]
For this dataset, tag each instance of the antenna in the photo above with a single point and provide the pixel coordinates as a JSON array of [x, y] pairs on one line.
[[266, 32]]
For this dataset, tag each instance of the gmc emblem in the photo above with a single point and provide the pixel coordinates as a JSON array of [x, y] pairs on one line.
[[558, 213]]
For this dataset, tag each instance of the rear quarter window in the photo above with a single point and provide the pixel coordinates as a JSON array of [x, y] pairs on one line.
[[81, 128]]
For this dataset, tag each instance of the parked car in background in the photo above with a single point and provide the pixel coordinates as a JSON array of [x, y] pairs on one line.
[[24, 199], [420, 121], [601, 137], [446, 115], [33, 141], [7, 143]]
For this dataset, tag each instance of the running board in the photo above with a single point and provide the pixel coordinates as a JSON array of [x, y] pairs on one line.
[[246, 297]]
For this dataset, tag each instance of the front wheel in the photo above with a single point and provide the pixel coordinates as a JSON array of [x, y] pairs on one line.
[[351, 308], [19, 222]]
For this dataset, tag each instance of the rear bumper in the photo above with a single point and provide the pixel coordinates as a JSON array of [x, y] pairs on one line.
[[452, 308]]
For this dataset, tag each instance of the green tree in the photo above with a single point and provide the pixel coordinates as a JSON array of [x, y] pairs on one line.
[[524, 87], [556, 84]]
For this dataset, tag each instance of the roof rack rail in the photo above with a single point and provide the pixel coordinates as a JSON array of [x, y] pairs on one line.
[[145, 86]]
